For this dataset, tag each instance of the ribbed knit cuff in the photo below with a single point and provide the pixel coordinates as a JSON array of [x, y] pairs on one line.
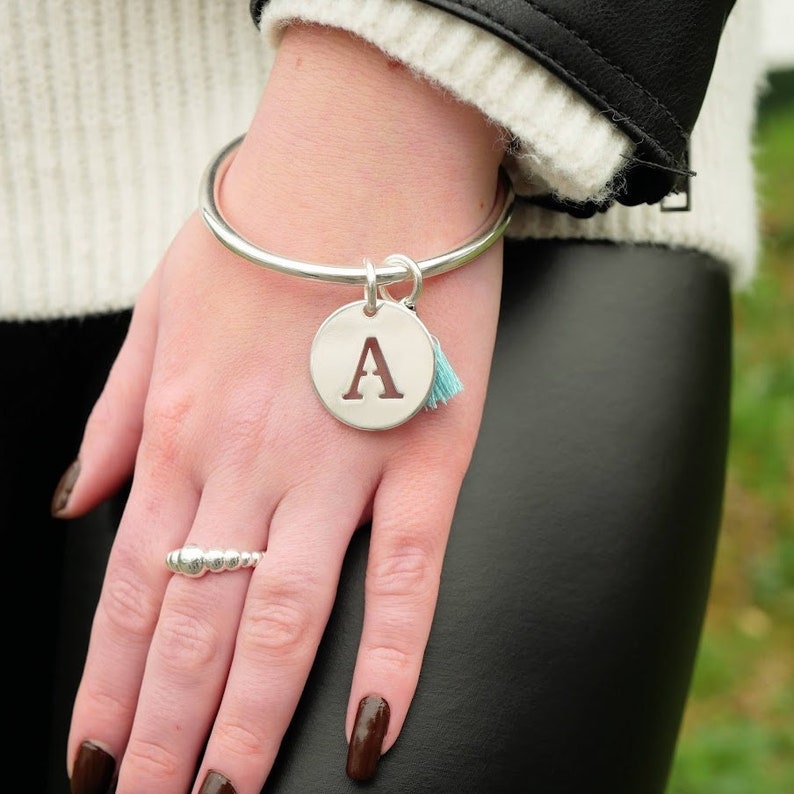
[[564, 146]]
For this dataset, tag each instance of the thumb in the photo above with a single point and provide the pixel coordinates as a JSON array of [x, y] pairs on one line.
[[113, 432]]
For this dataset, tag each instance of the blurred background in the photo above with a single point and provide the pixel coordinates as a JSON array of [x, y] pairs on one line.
[[738, 731]]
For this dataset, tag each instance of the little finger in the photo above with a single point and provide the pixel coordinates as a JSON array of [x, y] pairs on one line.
[[287, 607]]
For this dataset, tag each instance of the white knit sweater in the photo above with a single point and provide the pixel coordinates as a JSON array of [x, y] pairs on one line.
[[107, 121]]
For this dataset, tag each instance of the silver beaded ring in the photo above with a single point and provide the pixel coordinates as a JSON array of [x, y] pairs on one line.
[[193, 561]]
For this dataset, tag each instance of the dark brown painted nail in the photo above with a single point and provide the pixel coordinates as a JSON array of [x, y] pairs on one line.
[[372, 722], [64, 490], [216, 783], [93, 770]]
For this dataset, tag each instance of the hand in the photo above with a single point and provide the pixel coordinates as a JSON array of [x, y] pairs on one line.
[[211, 403]]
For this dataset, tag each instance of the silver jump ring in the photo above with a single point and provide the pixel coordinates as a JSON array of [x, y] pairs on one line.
[[193, 561], [411, 268], [371, 290], [491, 230]]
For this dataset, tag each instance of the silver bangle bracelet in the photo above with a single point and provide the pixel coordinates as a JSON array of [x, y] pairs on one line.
[[491, 230]]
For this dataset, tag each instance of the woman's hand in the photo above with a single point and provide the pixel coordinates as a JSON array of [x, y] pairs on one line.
[[210, 402]]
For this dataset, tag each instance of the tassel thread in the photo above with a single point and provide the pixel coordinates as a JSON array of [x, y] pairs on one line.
[[446, 383]]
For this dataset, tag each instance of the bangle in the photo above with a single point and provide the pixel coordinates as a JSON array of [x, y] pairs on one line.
[[491, 230], [373, 363]]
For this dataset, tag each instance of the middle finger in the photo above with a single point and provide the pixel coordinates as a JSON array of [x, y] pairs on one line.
[[287, 607]]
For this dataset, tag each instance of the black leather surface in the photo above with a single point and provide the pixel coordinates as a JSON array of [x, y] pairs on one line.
[[646, 65], [50, 375], [579, 562]]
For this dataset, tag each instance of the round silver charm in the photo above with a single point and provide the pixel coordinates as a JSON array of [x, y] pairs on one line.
[[373, 372]]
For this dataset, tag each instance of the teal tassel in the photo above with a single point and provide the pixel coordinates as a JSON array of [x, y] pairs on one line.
[[446, 383]]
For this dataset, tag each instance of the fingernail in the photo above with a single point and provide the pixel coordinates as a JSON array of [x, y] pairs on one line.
[[64, 490], [93, 770], [372, 722], [216, 783]]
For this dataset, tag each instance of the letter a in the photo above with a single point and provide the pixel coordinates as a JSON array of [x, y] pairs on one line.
[[390, 392]]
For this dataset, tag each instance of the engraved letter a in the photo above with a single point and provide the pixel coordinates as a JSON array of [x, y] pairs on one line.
[[390, 392]]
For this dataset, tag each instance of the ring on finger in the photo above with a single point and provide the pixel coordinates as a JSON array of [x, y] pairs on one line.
[[191, 560]]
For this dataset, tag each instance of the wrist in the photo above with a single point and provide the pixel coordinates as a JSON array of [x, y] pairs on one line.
[[350, 155]]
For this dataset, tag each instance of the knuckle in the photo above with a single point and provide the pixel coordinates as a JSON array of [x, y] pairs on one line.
[[153, 762], [246, 419], [188, 644], [279, 621], [407, 571], [391, 657], [104, 699], [166, 427], [128, 604], [238, 740], [242, 439]]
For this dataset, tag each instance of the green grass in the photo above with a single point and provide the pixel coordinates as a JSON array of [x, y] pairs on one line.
[[738, 731]]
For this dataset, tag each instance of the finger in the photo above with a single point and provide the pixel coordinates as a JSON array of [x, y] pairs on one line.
[[193, 643], [410, 527], [158, 514], [288, 604], [113, 431]]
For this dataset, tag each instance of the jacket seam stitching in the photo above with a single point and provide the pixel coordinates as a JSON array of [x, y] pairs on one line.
[[682, 133], [614, 66]]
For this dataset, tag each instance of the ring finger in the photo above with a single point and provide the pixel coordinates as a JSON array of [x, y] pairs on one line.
[[127, 613]]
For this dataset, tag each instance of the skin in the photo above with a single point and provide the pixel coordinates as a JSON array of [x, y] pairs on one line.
[[210, 402]]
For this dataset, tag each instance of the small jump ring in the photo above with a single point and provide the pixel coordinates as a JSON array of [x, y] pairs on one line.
[[371, 289], [193, 561], [411, 268]]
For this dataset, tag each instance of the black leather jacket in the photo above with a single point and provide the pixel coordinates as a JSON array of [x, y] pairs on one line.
[[646, 63]]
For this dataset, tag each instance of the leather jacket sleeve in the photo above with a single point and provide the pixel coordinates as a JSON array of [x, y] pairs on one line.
[[646, 65]]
